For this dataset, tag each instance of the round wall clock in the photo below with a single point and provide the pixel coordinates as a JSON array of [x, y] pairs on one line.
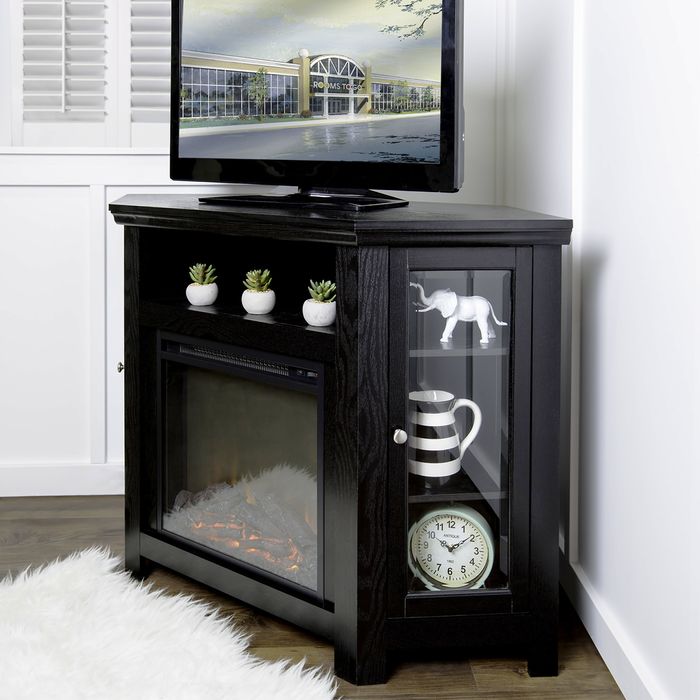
[[451, 547]]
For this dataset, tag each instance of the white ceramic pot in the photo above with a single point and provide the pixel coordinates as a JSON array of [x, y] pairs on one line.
[[202, 294], [258, 302], [318, 313]]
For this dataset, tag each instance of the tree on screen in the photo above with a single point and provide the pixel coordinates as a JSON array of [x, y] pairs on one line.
[[401, 96], [429, 97], [419, 10], [259, 90]]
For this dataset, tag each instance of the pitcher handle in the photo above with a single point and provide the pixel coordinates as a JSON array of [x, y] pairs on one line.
[[467, 403]]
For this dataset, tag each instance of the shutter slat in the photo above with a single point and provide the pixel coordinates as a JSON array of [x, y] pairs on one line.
[[150, 61], [64, 60]]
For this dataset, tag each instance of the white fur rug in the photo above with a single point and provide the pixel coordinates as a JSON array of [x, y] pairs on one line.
[[79, 628]]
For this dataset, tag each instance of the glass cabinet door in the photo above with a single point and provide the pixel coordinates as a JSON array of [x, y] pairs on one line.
[[457, 369], [458, 376]]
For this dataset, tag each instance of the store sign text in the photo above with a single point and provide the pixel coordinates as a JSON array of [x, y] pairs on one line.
[[334, 86]]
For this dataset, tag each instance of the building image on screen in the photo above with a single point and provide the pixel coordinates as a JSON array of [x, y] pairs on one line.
[[310, 80]]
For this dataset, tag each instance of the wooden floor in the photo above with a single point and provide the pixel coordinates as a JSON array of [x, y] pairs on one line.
[[34, 531]]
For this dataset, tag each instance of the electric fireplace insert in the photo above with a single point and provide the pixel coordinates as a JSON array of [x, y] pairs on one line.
[[241, 459]]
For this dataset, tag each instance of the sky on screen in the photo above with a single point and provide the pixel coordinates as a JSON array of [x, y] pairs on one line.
[[277, 29]]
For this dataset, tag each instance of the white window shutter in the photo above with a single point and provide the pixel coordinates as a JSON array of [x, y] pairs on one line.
[[64, 60], [150, 61]]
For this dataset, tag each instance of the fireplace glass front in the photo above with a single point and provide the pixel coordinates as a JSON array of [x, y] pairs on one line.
[[242, 457]]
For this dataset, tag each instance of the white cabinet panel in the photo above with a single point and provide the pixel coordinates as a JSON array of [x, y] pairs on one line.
[[44, 335]]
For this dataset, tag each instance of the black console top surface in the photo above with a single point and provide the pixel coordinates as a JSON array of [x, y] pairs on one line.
[[420, 223]]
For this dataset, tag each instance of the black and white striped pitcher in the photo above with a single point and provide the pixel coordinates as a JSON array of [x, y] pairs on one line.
[[436, 449]]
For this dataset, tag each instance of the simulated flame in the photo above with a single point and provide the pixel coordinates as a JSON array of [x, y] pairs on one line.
[[268, 521], [281, 552]]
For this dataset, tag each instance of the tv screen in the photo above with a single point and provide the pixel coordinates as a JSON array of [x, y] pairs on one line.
[[318, 93]]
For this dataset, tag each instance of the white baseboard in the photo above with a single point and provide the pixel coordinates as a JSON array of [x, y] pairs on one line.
[[618, 650], [61, 479]]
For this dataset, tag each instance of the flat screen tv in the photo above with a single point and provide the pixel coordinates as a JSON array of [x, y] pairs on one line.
[[334, 97]]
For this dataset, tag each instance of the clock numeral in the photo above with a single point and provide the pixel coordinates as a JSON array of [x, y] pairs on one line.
[[429, 557], [472, 562], [438, 567], [476, 550], [431, 534], [471, 538], [464, 569], [425, 544], [449, 571], [439, 526], [451, 524]]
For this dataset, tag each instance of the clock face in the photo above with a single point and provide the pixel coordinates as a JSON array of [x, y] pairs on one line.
[[451, 548]]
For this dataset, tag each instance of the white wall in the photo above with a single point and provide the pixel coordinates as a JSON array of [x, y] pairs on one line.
[[539, 107], [640, 180], [630, 177]]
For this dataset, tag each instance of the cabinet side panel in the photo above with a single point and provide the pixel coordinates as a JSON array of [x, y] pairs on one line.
[[544, 552], [131, 398]]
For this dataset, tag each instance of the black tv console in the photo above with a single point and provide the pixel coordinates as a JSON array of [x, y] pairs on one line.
[[421, 540]]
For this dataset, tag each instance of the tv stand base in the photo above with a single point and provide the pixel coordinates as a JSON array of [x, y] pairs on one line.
[[339, 200]]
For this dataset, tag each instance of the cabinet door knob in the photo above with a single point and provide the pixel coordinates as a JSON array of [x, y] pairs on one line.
[[120, 367], [400, 436]]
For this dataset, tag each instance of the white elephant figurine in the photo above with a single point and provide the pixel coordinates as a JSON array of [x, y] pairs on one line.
[[455, 308]]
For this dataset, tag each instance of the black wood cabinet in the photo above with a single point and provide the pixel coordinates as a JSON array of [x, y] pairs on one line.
[[426, 420]]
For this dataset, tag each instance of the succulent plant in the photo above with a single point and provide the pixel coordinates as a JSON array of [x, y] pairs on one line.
[[202, 274], [322, 291], [257, 280]]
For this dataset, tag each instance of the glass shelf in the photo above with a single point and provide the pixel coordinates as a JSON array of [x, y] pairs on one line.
[[459, 488], [448, 350]]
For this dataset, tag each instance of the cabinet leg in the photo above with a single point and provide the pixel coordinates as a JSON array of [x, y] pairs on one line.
[[367, 671], [543, 658], [140, 567]]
